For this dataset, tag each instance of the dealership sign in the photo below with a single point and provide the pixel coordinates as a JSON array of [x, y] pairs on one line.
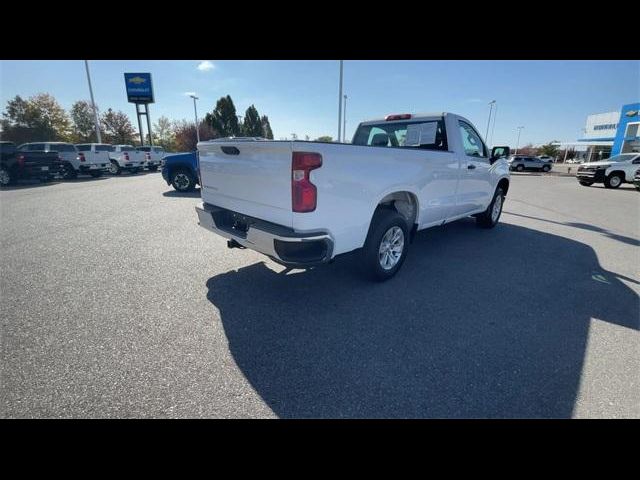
[[139, 89]]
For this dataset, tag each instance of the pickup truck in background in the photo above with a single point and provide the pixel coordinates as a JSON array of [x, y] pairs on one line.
[[304, 203], [125, 158], [16, 164], [180, 170], [94, 157], [152, 156], [613, 171]]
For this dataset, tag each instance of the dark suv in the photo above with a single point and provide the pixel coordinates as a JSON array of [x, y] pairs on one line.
[[520, 163]]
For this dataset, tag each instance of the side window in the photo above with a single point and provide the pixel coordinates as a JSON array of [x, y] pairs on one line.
[[36, 146], [636, 161], [471, 142], [83, 148]]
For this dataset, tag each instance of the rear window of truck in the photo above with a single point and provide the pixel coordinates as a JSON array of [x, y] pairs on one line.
[[104, 148], [417, 134], [62, 147]]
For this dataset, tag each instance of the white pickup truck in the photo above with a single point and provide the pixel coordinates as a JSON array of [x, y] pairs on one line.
[[304, 203], [613, 171]]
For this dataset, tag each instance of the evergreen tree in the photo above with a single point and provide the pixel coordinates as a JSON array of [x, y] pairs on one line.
[[223, 119], [266, 127], [252, 125]]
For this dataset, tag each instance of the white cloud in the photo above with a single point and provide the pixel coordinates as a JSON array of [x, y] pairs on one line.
[[205, 66]]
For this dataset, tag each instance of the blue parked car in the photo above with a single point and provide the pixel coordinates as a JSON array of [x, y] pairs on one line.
[[181, 171]]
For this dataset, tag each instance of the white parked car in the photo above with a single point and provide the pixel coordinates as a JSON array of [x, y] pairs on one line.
[[613, 171], [125, 158], [152, 156], [304, 203], [96, 155]]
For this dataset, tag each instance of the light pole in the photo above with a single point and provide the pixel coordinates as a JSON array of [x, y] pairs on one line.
[[344, 113], [340, 105], [486, 135], [518, 142], [493, 129], [195, 111], [93, 103]]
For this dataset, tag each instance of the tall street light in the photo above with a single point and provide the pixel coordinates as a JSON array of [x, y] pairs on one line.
[[93, 103], [493, 129], [518, 142], [195, 111], [340, 105], [344, 113], [486, 135]]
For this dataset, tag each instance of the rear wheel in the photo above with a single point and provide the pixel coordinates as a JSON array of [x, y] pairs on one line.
[[5, 177], [585, 184], [546, 168], [613, 181], [68, 172], [182, 180], [386, 246], [489, 218], [520, 168], [114, 168]]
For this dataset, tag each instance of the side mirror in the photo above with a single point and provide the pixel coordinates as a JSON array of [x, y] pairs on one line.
[[499, 152]]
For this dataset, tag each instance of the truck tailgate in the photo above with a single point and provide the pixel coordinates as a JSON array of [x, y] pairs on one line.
[[249, 177]]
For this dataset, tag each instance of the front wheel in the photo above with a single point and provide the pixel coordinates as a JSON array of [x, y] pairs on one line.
[[182, 180], [613, 181], [520, 168], [386, 246], [489, 218], [546, 168], [69, 173]]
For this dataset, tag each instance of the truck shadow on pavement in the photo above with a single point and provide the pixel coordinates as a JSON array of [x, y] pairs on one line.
[[174, 193], [472, 326]]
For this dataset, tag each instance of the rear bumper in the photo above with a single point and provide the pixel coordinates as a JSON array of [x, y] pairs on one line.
[[39, 171], [94, 167], [282, 244]]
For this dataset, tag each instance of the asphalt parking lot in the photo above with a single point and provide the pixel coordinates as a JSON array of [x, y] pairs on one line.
[[114, 303]]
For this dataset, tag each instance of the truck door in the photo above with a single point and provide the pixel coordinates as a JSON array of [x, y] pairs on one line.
[[474, 188]]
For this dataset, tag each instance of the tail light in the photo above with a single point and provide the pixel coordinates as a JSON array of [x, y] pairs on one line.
[[403, 116], [81, 157], [21, 160], [125, 155], [304, 193]]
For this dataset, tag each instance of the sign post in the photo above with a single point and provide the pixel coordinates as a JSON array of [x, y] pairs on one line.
[[140, 92]]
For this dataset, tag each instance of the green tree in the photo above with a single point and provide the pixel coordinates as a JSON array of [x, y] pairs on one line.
[[164, 133], [117, 127], [252, 125], [266, 127], [549, 149], [83, 122], [223, 119], [324, 138], [38, 118]]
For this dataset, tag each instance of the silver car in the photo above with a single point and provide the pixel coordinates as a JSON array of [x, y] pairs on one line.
[[520, 163]]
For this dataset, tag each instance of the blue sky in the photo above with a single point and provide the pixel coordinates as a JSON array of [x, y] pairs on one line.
[[551, 99]]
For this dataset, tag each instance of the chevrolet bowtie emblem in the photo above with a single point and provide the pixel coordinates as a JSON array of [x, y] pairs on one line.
[[137, 80]]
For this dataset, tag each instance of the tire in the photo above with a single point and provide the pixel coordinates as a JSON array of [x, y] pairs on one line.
[[490, 217], [5, 177], [114, 168], [153, 168], [585, 184], [520, 168], [613, 181], [386, 246], [68, 172], [182, 180], [546, 168]]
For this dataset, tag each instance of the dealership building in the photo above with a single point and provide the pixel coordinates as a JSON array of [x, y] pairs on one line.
[[608, 134]]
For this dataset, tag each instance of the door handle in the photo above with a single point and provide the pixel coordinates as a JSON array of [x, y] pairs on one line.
[[471, 166]]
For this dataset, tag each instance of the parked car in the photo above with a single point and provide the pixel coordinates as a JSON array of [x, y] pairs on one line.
[[125, 158], [180, 170], [613, 172], [96, 155], [15, 164], [304, 203], [153, 156], [67, 152], [520, 163]]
